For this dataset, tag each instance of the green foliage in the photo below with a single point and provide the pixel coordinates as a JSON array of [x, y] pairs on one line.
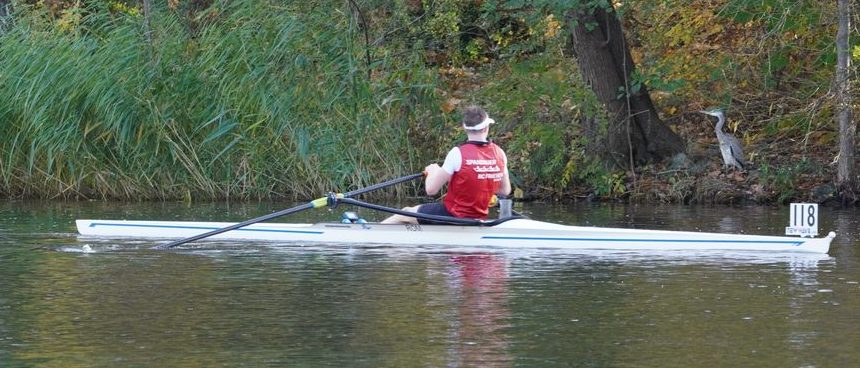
[[776, 15], [543, 154], [780, 180], [788, 125], [444, 19], [785, 179], [728, 50], [653, 81], [791, 45], [458, 33], [604, 183], [543, 105]]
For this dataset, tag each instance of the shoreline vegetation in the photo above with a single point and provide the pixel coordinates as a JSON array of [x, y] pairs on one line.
[[257, 100]]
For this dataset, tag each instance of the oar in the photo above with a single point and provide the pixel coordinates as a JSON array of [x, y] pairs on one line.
[[316, 203]]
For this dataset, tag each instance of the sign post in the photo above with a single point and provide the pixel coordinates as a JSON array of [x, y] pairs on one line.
[[803, 220]]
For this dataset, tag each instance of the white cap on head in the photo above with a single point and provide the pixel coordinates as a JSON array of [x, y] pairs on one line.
[[487, 121]]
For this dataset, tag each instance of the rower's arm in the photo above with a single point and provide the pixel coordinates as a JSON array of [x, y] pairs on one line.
[[505, 187], [436, 179]]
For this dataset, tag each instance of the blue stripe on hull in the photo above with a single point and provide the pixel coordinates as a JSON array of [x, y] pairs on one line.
[[94, 224], [792, 243]]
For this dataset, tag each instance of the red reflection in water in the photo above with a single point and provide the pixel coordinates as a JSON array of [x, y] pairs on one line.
[[481, 284]]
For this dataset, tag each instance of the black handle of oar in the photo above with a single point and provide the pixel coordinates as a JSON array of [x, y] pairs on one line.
[[309, 205]]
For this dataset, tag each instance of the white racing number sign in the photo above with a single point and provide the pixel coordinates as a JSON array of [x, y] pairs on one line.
[[803, 220]]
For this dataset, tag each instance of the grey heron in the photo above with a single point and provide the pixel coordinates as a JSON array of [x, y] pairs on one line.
[[730, 147]]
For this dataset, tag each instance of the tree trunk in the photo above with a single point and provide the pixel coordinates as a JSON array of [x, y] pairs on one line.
[[635, 134], [846, 176]]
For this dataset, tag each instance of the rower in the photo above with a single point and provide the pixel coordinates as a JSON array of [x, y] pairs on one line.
[[474, 171]]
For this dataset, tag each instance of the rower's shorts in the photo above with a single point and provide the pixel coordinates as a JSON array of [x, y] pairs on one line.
[[435, 208]]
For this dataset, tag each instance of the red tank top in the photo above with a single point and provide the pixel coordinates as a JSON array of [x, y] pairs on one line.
[[482, 168]]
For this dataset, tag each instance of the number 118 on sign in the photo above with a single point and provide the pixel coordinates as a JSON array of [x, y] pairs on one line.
[[803, 220]]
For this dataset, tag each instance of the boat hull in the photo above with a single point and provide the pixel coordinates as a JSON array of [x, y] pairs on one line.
[[517, 233]]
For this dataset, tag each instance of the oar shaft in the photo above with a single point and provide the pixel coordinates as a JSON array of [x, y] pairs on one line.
[[270, 216], [383, 185], [319, 202]]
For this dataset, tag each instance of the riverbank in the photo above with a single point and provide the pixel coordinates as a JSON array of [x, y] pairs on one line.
[[256, 102], [805, 174]]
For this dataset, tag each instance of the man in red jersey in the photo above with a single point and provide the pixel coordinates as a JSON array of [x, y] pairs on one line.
[[474, 172]]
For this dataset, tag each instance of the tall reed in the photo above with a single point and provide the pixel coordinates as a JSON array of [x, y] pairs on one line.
[[260, 101]]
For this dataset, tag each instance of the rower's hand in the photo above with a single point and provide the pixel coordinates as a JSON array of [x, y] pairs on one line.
[[431, 170]]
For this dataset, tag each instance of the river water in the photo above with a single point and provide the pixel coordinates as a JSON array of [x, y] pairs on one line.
[[66, 302]]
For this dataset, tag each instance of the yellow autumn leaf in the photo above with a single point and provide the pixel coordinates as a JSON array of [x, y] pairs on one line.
[[450, 104], [518, 193], [553, 26]]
